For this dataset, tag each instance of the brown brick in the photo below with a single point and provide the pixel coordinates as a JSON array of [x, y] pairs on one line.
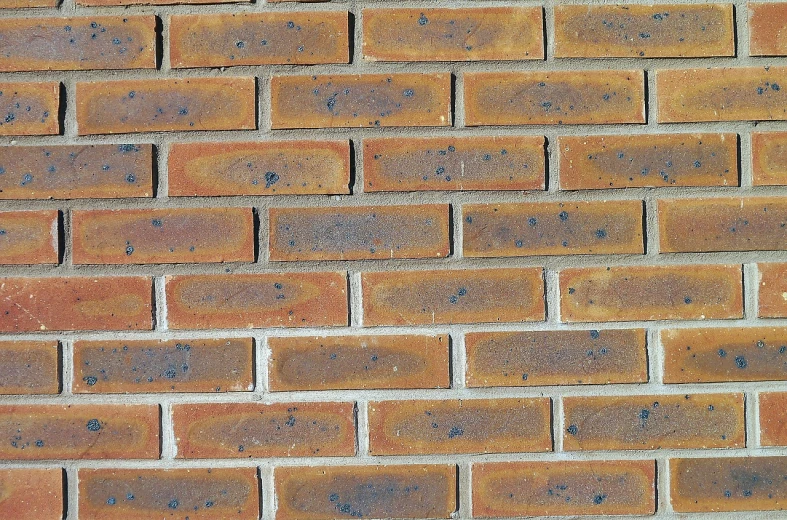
[[184, 365], [553, 228], [454, 163], [767, 27], [470, 34], [647, 422], [323, 493], [458, 296], [28, 237], [31, 493], [75, 303], [722, 94], [85, 431], [150, 494], [666, 292], [29, 367], [361, 100], [26, 4], [621, 487], [769, 158], [76, 172], [568, 357], [84, 43], [773, 290], [164, 105], [358, 362], [29, 108], [225, 40], [652, 31], [261, 168], [249, 430], [102, 3], [556, 97], [360, 232], [648, 161], [459, 426], [773, 419]]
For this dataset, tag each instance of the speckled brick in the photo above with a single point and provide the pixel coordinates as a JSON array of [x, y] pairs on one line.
[[29, 367], [31, 493], [103, 3], [29, 108], [29, 237], [27, 4], [773, 290], [769, 158], [773, 418], [767, 29]]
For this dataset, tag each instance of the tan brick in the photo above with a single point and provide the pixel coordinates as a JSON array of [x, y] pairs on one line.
[[29, 108], [769, 158], [773, 418], [29, 367], [26, 4], [767, 29], [31, 493], [29, 237], [103, 3], [773, 290]]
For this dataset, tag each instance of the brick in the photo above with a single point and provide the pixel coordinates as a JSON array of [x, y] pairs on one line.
[[31, 493], [322, 493], [773, 290], [29, 108], [177, 235], [722, 94], [358, 362], [257, 300], [648, 161], [103, 3], [769, 158], [454, 163], [183, 365], [150, 494], [553, 228], [76, 172], [647, 422], [249, 430], [728, 484], [568, 357], [651, 31], [75, 303], [459, 426], [29, 367], [361, 100], [165, 105], [641, 293], [27, 4], [621, 487], [360, 232], [773, 418], [79, 432], [29, 237], [470, 34], [724, 354], [84, 43], [261, 168], [556, 97], [458, 296], [767, 29]]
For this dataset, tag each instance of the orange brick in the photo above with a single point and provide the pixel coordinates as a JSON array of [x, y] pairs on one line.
[[553, 228], [769, 158], [75, 303], [178, 235], [724, 354], [361, 100], [322, 493], [164, 105], [470, 34], [652, 31], [257, 300], [556, 97], [28, 237], [767, 29], [773, 419], [225, 40], [84, 43], [76, 172], [261, 168], [648, 161], [647, 422], [29, 108], [459, 426], [84, 431], [358, 362], [360, 232], [26, 4], [458, 296], [102, 3], [31, 493], [666, 292], [621, 487], [150, 494], [567, 357], [454, 163], [728, 484], [249, 430], [29, 367], [185, 365], [722, 94], [773, 290]]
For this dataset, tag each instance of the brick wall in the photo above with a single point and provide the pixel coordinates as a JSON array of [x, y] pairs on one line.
[[368, 259]]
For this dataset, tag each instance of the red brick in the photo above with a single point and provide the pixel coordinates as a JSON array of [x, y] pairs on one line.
[[769, 158], [31, 493], [358, 362], [773, 290], [29, 367], [458, 296], [773, 419], [767, 27], [43, 102], [249, 430], [102, 3], [361, 100], [28, 237]]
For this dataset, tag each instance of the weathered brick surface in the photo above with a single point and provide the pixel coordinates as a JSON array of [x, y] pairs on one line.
[[769, 158], [36, 493], [22, 4], [28, 237], [29, 108], [767, 27], [773, 419], [773, 290], [29, 367]]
